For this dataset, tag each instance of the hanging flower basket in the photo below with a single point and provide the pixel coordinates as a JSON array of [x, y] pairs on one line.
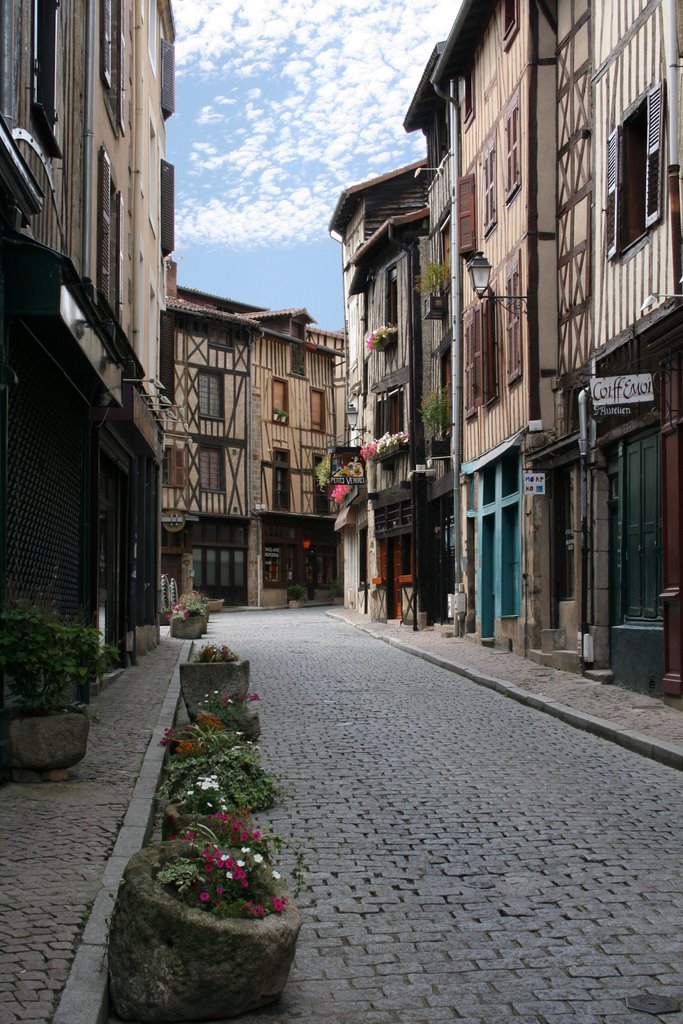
[[382, 337]]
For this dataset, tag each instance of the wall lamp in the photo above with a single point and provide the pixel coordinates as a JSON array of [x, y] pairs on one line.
[[352, 415], [479, 270], [418, 172], [655, 297]]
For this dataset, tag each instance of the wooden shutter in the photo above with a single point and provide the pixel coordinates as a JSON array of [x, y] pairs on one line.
[[478, 357], [653, 171], [468, 330], [167, 208], [317, 410], [167, 354], [104, 222], [106, 41], [514, 325], [488, 320], [611, 212], [175, 466], [167, 78], [467, 223], [121, 99], [512, 161], [120, 255]]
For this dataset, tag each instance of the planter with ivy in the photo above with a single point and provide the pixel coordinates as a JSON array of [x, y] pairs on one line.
[[436, 419], [430, 283]]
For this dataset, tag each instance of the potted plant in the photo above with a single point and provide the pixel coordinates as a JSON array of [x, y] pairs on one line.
[[190, 617], [281, 415], [48, 664], [201, 930], [296, 595], [436, 418], [430, 284], [213, 669]]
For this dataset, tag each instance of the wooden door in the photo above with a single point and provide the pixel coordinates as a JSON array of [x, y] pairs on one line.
[[394, 610]]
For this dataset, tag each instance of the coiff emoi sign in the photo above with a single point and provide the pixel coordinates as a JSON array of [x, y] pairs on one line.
[[610, 394]]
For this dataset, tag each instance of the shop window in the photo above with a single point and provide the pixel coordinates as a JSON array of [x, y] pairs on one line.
[[272, 554], [641, 530]]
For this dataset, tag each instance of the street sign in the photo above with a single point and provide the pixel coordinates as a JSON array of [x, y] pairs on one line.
[[534, 483]]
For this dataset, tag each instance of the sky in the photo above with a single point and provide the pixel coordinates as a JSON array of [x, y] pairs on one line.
[[279, 108]]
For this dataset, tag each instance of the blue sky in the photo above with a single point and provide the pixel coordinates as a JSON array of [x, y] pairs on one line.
[[279, 107]]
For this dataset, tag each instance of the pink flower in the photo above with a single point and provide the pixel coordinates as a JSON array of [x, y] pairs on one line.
[[204, 896]]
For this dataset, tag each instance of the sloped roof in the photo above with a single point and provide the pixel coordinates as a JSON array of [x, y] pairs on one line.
[[423, 99], [265, 314], [199, 309], [350, 196]]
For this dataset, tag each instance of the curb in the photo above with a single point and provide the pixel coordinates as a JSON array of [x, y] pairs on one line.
[[665, 753], [84, 999]]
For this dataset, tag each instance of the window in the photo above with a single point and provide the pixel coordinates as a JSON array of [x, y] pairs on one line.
[[634, 174], [468, 97], [210, 395], [467, 221], [391, 300], [110, 235], [641, 530], [490, 350], [298, 360], [221, 336], [173, 470], [113, 58], [222, 568], [513, 327], [210, 469], [513, 174], [446, 246], [489, 187], [317, 409], [152, 30], [280, 479], [45, 62], [510, 21], [389, 416], [280, 397]]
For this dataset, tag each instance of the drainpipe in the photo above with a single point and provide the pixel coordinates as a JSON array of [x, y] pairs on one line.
[[88, 138], [585, 639], [7, 62], [456, 348]]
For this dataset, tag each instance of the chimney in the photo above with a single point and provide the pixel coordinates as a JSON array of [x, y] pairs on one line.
[[171, 279]]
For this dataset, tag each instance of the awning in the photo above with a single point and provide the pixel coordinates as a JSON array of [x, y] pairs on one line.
[[342, 519], [492, 455]]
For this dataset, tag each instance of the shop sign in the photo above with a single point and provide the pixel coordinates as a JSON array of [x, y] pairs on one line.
[[614, 396], [347, 467], [534, 483]]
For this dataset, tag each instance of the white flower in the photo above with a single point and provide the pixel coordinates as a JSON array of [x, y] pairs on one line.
[[240, 863], [258, 859], [276, 874], [228, 874], [246, 849]]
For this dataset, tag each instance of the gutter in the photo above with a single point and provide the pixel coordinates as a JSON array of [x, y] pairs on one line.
[[88, 138], [7, 103], [673, 169]]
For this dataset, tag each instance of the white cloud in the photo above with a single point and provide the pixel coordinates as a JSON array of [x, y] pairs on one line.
[[311, 98]]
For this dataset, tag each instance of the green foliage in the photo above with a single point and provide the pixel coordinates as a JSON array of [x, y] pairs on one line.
[[233, 712], [211, 654], [44, 657], [432, 278], [296, 592], [322, 473], [435, 412], [337, 587], [227, 778]]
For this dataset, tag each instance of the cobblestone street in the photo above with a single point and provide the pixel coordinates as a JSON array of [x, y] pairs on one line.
[[470, 859]]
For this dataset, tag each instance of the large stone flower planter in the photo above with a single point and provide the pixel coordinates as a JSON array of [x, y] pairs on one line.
[[171, 962], [47, 744], [176, 820], [189, 629], [198, 680]]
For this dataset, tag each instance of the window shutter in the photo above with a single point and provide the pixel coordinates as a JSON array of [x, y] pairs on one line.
[[167, 208], [104, 222], [167, 354], [477, 357], [466, 215], [105, 42], [653, 173], [611, 218], [121, 104], [489, 350], [468, 328], [120, 258], [167, 78]]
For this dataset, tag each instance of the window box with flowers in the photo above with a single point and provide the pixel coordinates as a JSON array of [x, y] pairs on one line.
[[382, 337], [385, 449]]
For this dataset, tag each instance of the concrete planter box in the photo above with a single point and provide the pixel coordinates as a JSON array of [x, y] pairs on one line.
[[189, 629], [224, 678], [171, 962], [44, 744], [215, 605]]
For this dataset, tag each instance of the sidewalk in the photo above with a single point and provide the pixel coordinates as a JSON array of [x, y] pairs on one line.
[[634, 720], [63, 846]]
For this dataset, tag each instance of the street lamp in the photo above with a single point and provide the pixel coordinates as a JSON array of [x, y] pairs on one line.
[[479, 270], [352, 415]]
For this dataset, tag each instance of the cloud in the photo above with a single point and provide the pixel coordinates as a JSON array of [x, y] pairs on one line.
[[309, 98]]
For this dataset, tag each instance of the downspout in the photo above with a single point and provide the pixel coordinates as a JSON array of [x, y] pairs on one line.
[[7, 62], [583, 513], [456, 348], [673, 165], [88, 137]]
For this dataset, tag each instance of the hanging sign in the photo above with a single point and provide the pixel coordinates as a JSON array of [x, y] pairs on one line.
[[534, 483], [614, 395], [347, 467]]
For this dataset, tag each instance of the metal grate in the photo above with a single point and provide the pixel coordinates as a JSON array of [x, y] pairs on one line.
[[45, 465]]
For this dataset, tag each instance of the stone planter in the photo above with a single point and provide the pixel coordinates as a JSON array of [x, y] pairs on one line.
[[46, 745], [171, 962], [189, 629], [225, 678], [215, 605]]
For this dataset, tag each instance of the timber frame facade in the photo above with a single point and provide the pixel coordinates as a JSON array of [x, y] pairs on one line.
[[254, 403]]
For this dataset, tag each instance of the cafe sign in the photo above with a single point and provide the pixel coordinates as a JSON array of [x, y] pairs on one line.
[[347, 467], [615, 395]]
